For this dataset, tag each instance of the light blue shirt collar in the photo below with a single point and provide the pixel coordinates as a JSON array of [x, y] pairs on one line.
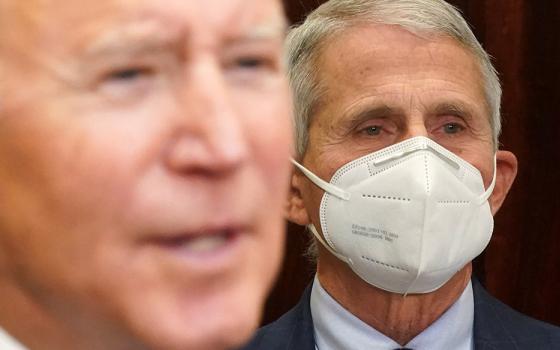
[[7, 342], [336, 328]]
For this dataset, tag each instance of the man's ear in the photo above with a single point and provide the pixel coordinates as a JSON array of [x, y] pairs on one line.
[[506, 170], [295, 207]]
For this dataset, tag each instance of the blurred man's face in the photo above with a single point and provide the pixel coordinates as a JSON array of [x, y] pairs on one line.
[[144, 149]]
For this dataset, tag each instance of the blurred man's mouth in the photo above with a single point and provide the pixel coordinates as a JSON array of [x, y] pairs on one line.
[[206, 251], [200, 243]]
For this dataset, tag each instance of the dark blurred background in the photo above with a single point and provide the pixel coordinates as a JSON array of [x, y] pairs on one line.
[[521, 266]]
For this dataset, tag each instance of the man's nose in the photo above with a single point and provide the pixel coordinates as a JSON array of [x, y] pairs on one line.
[[210, 135], [415, 127]]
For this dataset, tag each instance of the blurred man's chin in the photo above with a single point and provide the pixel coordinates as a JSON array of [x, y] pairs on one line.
[[208, 334], [232, 336], [229, 329], [218, 319]]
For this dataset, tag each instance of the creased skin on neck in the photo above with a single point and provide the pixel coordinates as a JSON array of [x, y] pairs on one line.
[[398, 317]]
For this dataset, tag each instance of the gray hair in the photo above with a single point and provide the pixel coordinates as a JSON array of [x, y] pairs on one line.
[[437, 17]]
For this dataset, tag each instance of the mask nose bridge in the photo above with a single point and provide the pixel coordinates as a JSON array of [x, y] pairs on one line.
[[421, 145], [428, 145]]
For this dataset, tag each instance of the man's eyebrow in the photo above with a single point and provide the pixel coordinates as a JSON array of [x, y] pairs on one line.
[[271, 30], [134, 38], [373, 112], [454, 108], [145, 37], [353, 118]]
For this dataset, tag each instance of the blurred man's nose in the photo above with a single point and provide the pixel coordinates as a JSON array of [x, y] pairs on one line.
[[211, 134]]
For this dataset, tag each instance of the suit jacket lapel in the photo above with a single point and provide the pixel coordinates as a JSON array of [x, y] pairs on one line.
[[490, 329], [302, 334]]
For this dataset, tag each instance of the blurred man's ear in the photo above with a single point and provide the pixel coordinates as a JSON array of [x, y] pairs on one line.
[[295, 207], [506, 170]]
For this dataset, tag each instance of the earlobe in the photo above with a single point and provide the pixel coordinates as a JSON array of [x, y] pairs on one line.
[[295, 208], [506, 170]]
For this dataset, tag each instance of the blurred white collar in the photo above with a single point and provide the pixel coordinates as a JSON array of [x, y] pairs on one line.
[[7, 342], [336, 328]]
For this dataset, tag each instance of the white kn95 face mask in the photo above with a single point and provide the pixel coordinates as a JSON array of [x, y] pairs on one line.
[[405, 218]]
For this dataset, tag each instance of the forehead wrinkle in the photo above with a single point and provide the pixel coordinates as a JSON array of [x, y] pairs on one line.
[[51, 30], [23, 46]]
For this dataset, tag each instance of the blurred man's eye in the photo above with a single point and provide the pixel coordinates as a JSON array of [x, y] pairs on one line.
[[251, 63], [128, 74], [255, 63], [123, 83], [253, 68]]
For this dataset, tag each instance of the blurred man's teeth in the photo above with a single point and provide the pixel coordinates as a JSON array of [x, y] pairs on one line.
[[204, 244]]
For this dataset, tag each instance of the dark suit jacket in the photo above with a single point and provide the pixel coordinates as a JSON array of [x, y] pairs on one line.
[[496, 327]]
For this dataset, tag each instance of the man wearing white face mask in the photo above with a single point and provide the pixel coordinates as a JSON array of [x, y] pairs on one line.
[[398, 176]]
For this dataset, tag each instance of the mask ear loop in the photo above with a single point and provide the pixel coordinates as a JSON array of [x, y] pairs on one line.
[[313, 230], [331, 189], [484, 197], [326, 186]]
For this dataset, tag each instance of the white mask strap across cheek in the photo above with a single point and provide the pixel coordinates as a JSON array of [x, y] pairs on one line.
[[327, 187], [484, 197]]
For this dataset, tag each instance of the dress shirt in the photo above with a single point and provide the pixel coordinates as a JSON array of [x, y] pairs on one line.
[[7, 342], [335, 328]]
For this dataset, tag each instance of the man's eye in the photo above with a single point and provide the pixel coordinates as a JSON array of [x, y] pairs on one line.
[[127, 74], [452, 128], [373, 130], [125, 82], [250, 63]]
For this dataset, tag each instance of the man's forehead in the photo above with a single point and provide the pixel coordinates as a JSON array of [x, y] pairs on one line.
[[57, 37], [365, 68], [383, 42], [369, 50], [73, 18]]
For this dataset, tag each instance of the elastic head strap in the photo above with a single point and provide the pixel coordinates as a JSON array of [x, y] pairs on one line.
[[312, 228]]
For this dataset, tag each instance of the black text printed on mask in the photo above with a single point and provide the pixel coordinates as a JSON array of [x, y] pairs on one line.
[[375, 233]]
